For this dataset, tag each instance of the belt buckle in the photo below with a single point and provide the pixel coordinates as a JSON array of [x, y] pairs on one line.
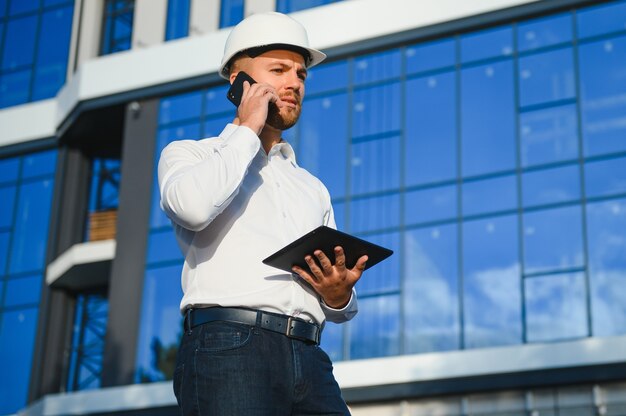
[[290, 334]]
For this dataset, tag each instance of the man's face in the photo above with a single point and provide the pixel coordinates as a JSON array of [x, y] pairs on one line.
[[286, 72]]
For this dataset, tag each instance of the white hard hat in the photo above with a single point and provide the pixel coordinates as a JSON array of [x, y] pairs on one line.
[[262, 32]]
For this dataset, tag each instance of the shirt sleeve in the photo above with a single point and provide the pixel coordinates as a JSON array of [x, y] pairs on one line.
[[198, 179]]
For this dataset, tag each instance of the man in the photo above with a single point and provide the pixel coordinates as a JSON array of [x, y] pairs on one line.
[[252, 331]]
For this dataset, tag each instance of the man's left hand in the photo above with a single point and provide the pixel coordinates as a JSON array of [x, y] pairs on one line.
[[333, 282]]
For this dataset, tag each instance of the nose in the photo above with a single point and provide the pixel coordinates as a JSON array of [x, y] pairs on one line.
[[293, 81]]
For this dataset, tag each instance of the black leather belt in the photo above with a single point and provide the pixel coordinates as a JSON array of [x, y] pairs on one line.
[[283, 324]]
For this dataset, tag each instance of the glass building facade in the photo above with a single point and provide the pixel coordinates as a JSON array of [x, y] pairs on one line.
[[26, 185], [34, 45], [491, 162]]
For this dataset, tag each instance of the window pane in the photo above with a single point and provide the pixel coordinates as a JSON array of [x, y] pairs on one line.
[[488, 118], [162, 246], [9, 169], [375, 330], [555, 307], [375, 165], [549, 135], [553, 239], [431, 129], [180, 107], [327, 77], [605, 177], [489, 195], [38, 164], [375, 213], [7, 196], [180, 132], [23, 291], [551, 186], [486, 44], [339, 209], [606, 225], [23, 6], [231, 12], [324, 126], [17, 338], [19, 44], [376, 110], [290, 6], [431, 290], [332, 341], [384, 276], [602, 95], [4, 251], [377, 67], [607, 18], [31, 227], [431, 204], [214, 126], [177, 19], [161, 324], [14, 88], [544, 32], [215, 102], [430, 56], [3, 7], [52, 52], [546, 77], [491, 283]]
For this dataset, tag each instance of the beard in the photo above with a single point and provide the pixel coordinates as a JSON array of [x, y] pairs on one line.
[[285, 120]]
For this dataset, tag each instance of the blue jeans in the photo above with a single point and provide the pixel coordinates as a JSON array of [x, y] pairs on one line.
[[230, 369]]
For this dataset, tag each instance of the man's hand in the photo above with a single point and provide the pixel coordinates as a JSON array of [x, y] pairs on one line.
[[333, 283], [252, 112]]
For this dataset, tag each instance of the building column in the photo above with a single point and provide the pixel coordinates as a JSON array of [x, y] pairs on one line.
[[149, 22], [204, 17], [127, 271], [86, 33], [258, 6]]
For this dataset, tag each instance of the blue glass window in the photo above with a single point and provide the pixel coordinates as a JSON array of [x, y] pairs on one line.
[[181, 107], [161, 323], [602, 92], [489, 43], [487, 118], [431, 290], [31, 227], [7, 208], [429, 56], [23, 291], [546, 31], [491, 283], [606, 225], [376, 165], [605, 177], [601, 19], [54, 36], [339, 209], [332, 341], [9, 169], [316, 140], [14, 88], [162, 246], [118, 26], [177, 25], [231, 12], [290, 6], [327, 77], [214, 103], [551, 186], [4, 251], [553, 239], [17, 339], [375, 331], [548, 135], [19, 49], [23, 6], [38, 164], [385, 276], [432, 204], [546, 77], [555, 307], [376, 110], [367, 214], [431, 129], [489, 195], [377, 67]]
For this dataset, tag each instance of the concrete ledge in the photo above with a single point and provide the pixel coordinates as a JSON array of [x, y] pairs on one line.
[[84, 265]]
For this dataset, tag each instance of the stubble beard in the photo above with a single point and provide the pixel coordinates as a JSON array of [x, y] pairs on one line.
[[282, 121]]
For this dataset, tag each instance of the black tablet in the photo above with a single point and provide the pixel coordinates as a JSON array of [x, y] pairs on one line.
[[326, 239]]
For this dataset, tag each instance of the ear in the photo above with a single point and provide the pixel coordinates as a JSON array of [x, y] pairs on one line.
[[232, 77]]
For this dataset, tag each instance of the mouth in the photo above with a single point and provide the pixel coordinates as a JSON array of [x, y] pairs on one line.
[[290, 101]]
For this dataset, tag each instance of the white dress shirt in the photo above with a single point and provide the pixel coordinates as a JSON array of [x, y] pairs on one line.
[[232, 205]]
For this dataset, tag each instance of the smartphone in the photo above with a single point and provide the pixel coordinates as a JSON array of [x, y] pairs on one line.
[[236, 89]]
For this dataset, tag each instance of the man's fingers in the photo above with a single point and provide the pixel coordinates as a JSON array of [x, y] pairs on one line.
[[340, 258], [327, 266], [306, 276], [360, 264]]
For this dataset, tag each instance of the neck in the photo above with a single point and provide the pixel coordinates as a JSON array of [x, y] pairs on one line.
[[269, 137]]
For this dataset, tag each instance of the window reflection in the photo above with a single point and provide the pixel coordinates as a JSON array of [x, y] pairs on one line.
[[555, 307], [486, 44], [374, 213], [376, 110], [551, 186], [384, 276], [375, 165], [491, 283], [433, 55], [544, 32], [605, 177], [375, 331], [546, 77], [377, 67], [601, 19], [606, 224], [489, 195], [431, 290], [430, 205]]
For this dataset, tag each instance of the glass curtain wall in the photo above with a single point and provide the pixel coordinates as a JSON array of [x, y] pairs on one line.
[[290, 6], [117, 32], [177, 25], [26, 185], [34, 47], [231, 12], [492, 163]]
